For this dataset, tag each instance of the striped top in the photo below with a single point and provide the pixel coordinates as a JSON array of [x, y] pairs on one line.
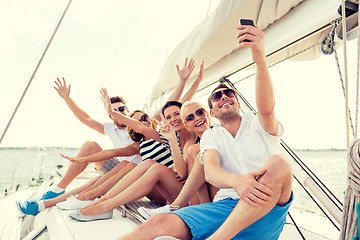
[[159, 152]]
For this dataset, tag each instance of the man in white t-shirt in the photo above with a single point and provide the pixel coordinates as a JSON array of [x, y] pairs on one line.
[[240, 157], [115, 130]]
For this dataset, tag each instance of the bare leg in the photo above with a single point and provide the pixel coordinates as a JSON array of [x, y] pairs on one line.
[[278, 178], [105, 177], [104, 186], [158, 225], [157, 174], [191, 154], [75, 169], [52, 202], [194, 184], [157, 195], [128, 179], [195, 188]]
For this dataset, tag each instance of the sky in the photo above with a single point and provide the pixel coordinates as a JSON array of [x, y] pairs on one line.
[[122, 45]]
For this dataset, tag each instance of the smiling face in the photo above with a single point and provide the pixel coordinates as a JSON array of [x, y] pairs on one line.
[[143, 118], [226, 107], [172, 116], [195, 117]]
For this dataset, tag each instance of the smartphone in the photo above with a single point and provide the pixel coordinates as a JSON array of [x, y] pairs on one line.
[[246, 22]]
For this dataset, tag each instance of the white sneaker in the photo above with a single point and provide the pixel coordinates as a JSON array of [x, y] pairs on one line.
[[72, 203], [87, 218], [148, 212]]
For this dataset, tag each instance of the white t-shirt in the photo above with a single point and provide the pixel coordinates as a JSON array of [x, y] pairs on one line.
[[245, 153], [121, 139]]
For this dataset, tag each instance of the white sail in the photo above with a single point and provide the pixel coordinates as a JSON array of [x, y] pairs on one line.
[[285, 23]]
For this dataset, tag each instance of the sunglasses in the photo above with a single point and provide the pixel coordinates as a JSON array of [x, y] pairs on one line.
[[143, 118], [120, 109], [217, 95], [200, 112]]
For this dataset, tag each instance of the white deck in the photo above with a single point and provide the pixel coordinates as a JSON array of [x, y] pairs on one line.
[[10, 224], [56, 224], [61, 226]]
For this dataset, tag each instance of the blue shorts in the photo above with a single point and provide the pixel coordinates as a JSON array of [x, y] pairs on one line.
[[204, 219]]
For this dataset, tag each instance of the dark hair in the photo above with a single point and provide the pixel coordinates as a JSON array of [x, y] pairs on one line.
[[135, 136], [221, 85], [117, 99], [169, 104]]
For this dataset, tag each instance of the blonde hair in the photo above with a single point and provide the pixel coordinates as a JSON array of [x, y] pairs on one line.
[[188, 103]]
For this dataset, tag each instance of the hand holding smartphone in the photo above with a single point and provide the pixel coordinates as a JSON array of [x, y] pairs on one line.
[[246, 22]]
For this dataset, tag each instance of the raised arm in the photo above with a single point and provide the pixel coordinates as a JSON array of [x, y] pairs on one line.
[[128, 121], [265, 100], [106, 154], [184, 75], [180, 166], [191, 92], [64, 91]]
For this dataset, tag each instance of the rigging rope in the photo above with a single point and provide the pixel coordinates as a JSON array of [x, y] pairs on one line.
[[349, 226], [343, 22], [296, 226], [344, 90], [34, 73]]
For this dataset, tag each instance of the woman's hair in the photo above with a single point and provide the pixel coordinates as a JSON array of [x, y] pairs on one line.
[[188, 103], [169, 104], [135, 136]]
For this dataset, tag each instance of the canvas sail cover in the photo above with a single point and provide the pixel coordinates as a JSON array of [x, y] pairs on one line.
[[214, 41]]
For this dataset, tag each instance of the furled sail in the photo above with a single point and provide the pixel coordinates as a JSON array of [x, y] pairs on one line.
[[289, 26]]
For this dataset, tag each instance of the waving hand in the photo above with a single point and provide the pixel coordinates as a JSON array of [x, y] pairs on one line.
[[62, 89], [106, 100], [186, 71]]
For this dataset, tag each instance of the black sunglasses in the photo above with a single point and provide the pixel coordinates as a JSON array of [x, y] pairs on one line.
[[217, 95], [200, 112], [143, 118], [120, 109]]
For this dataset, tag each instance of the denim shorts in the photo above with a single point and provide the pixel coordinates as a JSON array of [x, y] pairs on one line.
[[204, 219]]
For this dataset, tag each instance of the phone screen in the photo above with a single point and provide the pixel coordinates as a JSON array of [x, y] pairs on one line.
[[246, 22]]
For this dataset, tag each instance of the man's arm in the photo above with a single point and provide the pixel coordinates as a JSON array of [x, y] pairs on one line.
[[246, 186], [264, 92], [214, 174], [64, 92]]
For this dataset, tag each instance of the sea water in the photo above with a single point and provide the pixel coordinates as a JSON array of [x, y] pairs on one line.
[[19, 165], [17, 168], [330, 166]]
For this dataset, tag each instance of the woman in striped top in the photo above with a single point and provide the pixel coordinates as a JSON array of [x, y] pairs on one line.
[[137, 183]]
